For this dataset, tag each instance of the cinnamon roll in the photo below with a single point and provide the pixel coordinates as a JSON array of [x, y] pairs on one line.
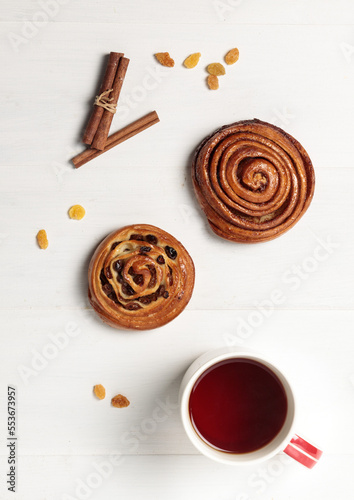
[[140, 277], [253, 181]]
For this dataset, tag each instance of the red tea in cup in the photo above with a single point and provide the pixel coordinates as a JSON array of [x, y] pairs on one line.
[[238, 405]]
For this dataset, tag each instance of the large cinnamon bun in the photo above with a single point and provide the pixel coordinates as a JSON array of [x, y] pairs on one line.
[[253, 181]]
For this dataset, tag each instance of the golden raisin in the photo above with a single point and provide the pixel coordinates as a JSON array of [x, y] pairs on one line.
[[216, 69], [99, 391], [213, 82], [192, 60], [165, 59], [42, 239], [77, 212], [120, 401], [232, 56]]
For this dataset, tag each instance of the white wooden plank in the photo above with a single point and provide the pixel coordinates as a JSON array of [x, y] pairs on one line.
[[310, 265], [189, 477], [190, 12], [295, 76], [58, 414]]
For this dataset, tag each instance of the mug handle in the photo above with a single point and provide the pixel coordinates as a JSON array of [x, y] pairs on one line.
[[304, 452]]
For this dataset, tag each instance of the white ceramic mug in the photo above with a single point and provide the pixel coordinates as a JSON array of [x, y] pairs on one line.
[[286, 440]]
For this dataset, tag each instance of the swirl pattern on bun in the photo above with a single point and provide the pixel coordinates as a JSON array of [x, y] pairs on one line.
[[253, 181]]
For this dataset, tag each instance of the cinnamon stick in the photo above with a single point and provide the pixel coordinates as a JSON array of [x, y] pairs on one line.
[[100, 139], [118, 137], [107, 83]]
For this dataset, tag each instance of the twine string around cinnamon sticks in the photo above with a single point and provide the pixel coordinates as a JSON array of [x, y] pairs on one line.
[[107, 83], [105, 102]]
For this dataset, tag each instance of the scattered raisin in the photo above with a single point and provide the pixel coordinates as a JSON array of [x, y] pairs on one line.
[[120, 278], [160, 259], [138, 237], [108, 273], [118, 265], [145, 249], [213, 82], [216, 69], [170, 252], [232, 56], [42, 239], [99, 391], [120, 401], [138, 279], [166, 295], [131, 271], [161, 290], [115, 244], [151, 239], [165, 59], [77, 212], [127, 289], [192, 60]]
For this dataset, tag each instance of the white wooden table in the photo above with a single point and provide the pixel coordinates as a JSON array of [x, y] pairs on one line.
[[296, 70]]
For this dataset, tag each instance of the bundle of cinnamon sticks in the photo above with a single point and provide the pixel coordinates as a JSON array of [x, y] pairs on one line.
[[97, 129]]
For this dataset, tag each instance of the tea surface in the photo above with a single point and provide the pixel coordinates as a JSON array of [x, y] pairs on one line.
[[238, 406]]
